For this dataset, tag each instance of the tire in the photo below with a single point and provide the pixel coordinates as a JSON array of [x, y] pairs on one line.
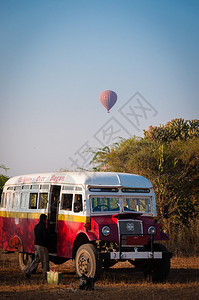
[[87, 262], [157, 270], [25, 260]]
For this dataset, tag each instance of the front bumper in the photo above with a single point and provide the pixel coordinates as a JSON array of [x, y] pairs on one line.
[[135, 255]]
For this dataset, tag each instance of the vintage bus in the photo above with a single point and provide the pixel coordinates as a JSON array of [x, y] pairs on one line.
[[95, 218]]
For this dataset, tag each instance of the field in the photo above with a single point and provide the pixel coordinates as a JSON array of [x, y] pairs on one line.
[[120, 282]]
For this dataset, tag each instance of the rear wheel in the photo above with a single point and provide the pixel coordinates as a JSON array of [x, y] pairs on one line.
[[87, 261], [157, 270], [25, 260]]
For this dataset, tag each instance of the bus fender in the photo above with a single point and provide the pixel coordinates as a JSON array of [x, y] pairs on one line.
[[16, 243], [82, 238], [91, 235]]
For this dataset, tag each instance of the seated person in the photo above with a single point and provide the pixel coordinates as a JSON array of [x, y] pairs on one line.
[[67, 201], [78, 203]]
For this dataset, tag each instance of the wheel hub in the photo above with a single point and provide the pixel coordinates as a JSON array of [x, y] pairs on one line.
[[84, 264]]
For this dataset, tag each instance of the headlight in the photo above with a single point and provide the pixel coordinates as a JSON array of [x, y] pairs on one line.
[[152, 230], [106, 230]]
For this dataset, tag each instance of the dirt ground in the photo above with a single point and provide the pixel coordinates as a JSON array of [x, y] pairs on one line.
[[120, 282]]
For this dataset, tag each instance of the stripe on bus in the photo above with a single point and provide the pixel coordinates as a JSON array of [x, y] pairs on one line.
[[30, 215], [74, 218], [14, 214]]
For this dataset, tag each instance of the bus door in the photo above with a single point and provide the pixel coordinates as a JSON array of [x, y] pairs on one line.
[[53, 215]]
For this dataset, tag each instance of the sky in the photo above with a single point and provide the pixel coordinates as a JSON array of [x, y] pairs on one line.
[[57, 56]]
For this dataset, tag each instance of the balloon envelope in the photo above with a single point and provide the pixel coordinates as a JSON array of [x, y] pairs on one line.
[[108, 99]]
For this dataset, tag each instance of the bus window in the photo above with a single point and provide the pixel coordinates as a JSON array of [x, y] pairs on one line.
[[9, 200], [16, 202], [68, 187], [66, 202], [44, 186], [78, 203], [34, 186], [24, 200], [33, 200], [43, 199], [2, 199], [101, 204], [17, 188], [25, 187], [78, 188], [137, 204]]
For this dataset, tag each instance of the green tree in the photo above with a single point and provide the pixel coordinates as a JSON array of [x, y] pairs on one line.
[[167, 159], [3, 178], [176, 129]]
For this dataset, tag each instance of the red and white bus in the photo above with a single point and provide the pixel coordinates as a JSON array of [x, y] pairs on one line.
[[95, 218]]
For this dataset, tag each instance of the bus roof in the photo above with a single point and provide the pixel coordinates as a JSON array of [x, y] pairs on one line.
[[83, 178]]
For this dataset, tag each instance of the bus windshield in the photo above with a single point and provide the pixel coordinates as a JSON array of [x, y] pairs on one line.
[[104, 204], [137, 204], [112, 204]]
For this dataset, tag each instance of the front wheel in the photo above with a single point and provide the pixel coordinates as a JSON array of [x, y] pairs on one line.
[[157, 270], [87, 261]]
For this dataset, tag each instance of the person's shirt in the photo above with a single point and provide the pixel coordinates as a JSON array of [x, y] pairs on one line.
[[42, 236]]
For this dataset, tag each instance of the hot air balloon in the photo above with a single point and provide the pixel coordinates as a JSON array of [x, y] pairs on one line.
[[108, 99]]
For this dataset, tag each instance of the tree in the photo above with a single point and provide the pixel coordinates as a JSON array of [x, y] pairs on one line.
[[176, 129], [168, 157], [3, 178]]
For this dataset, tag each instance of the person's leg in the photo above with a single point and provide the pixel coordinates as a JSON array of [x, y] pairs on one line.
[[34, 263], [45, 261]]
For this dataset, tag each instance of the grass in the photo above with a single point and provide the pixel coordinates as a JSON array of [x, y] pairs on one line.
[[121, 282], [183, 238]]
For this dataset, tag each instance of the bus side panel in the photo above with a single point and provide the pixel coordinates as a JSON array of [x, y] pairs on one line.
[[8, 231], [67, 232], [30, 237], [16, 233]]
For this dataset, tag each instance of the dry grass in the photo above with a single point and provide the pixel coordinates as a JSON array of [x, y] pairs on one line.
[[184, 238], [120, 282]]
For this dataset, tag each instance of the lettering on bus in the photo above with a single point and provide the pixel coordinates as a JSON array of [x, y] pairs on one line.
[[53, 178], [57, 178], [30, 179], [39, 178], [25, 180]]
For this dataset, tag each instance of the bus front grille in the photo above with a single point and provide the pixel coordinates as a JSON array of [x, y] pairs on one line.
[[129, 228]]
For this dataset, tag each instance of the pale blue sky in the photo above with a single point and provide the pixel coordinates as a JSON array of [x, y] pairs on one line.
[[56, 57]]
